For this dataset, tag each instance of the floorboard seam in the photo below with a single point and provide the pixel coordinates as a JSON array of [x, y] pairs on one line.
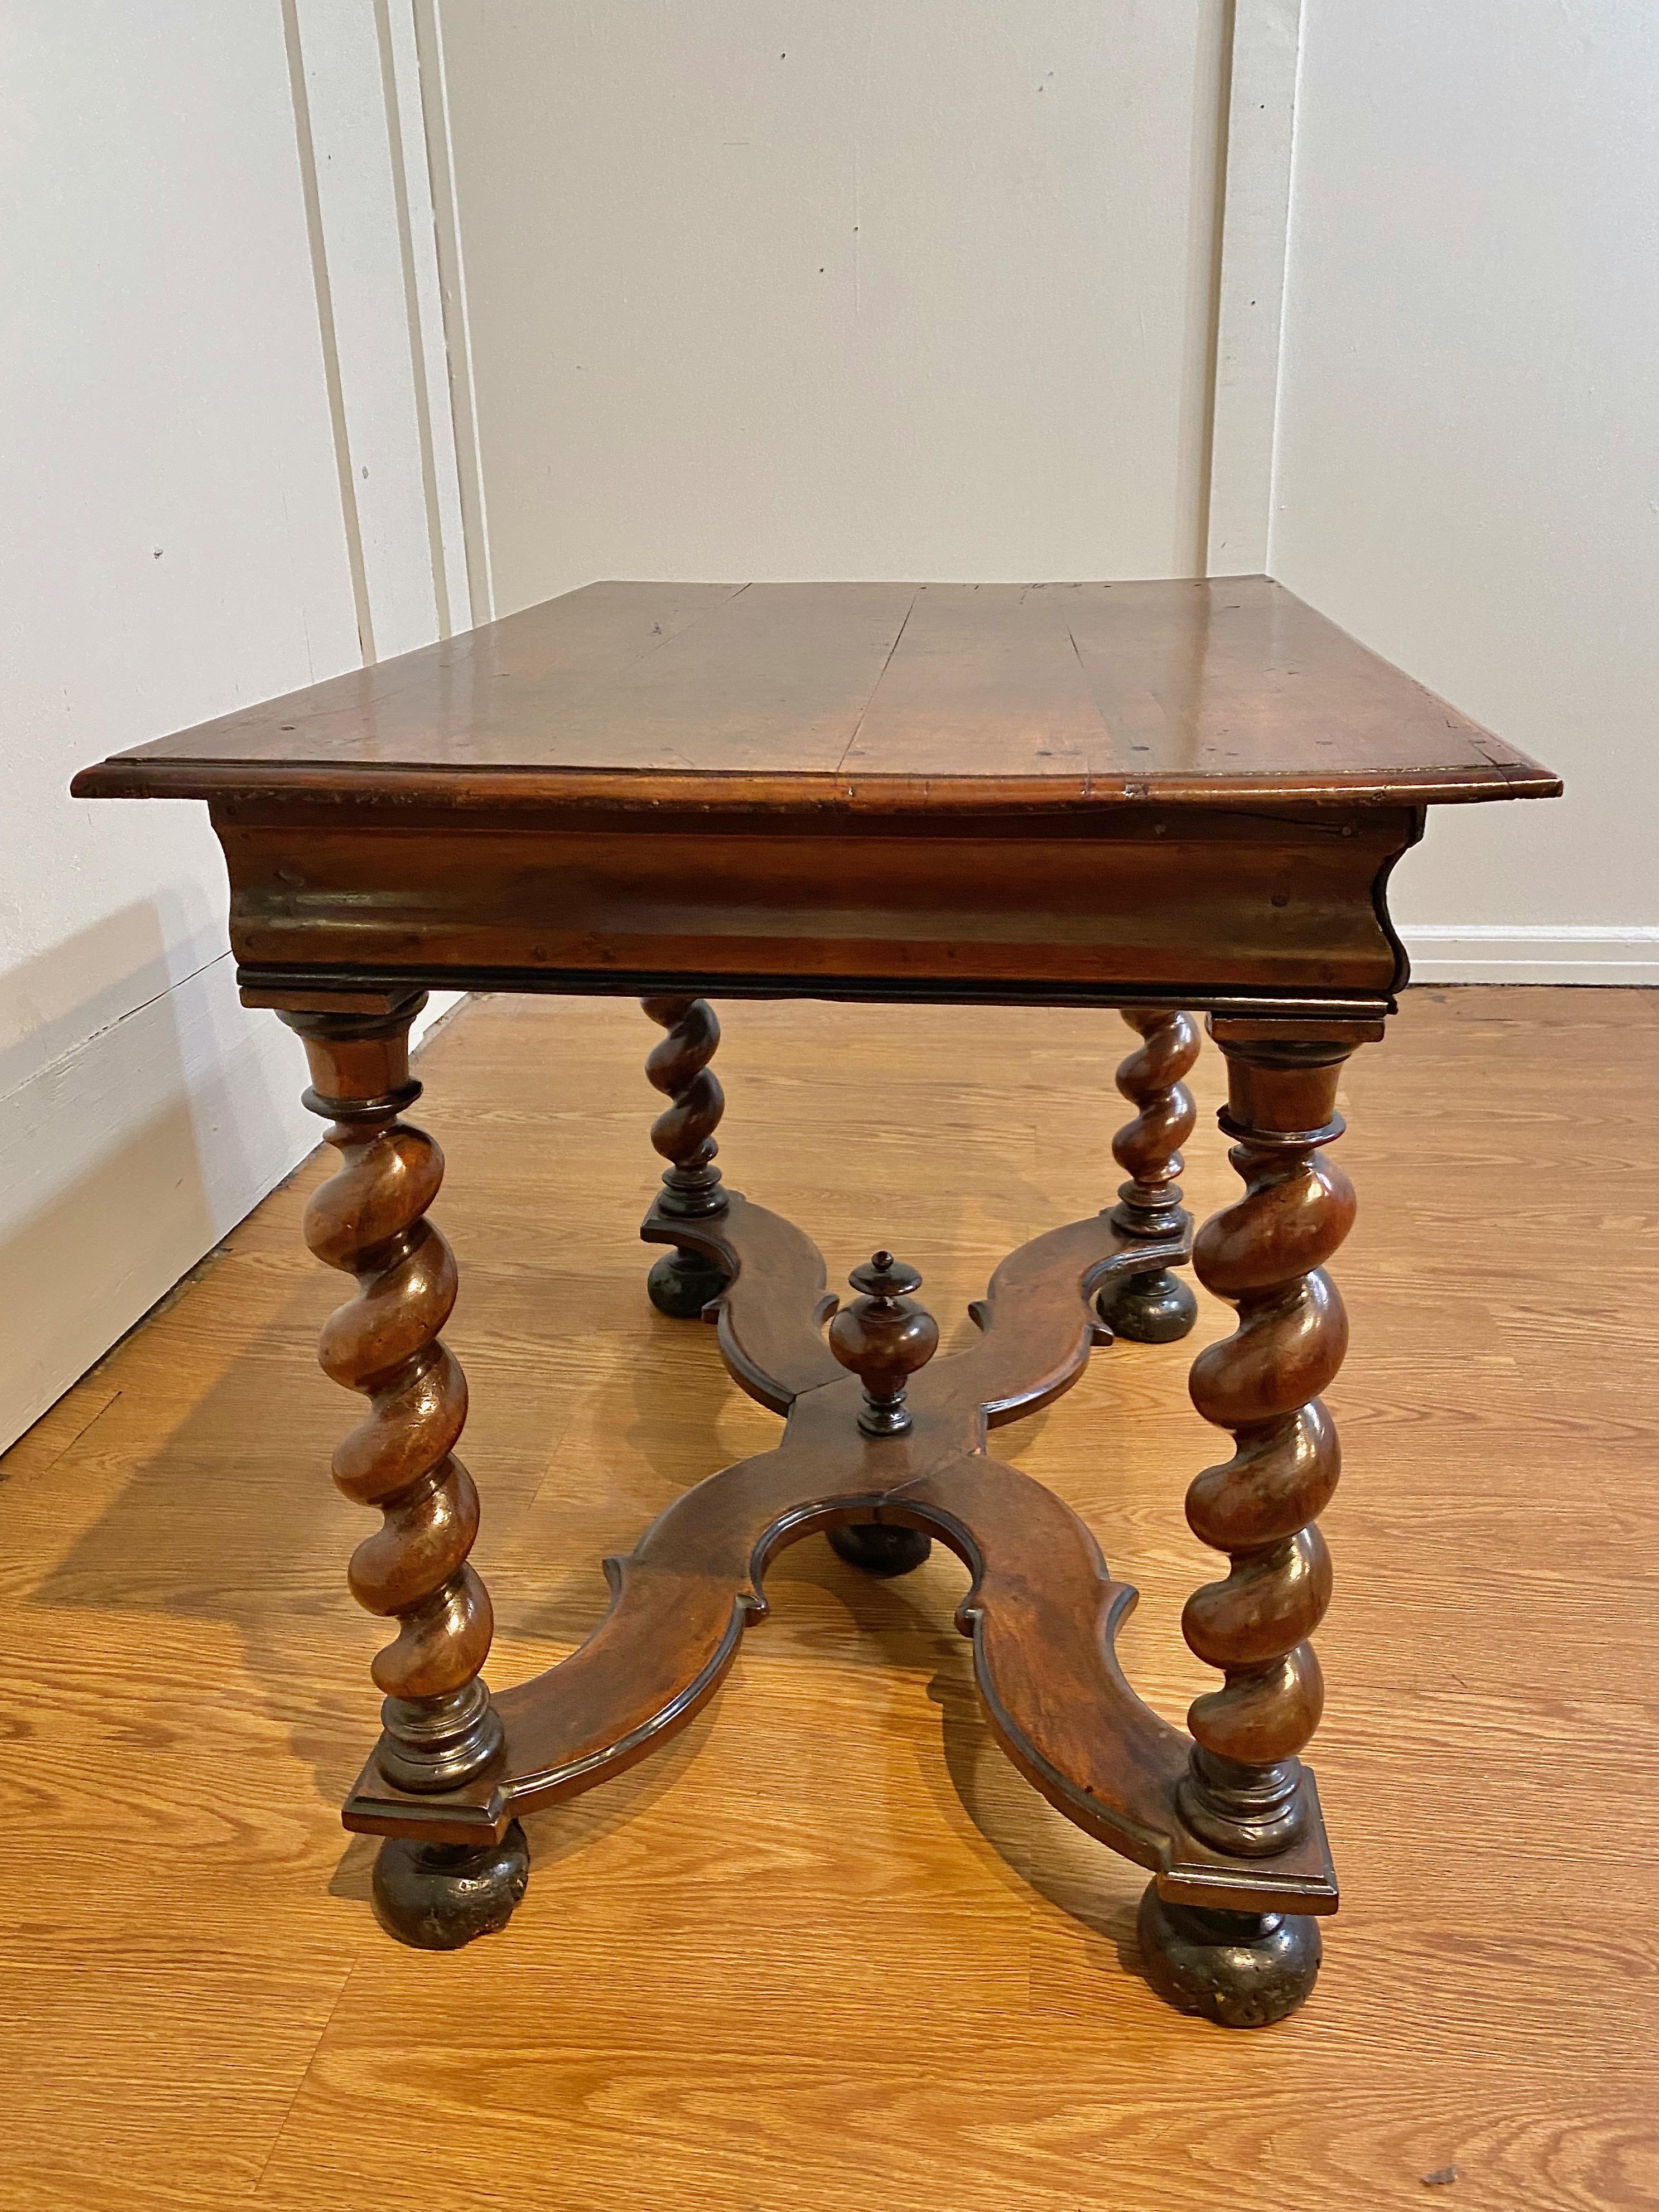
[[299, 2087], [58, 1456]]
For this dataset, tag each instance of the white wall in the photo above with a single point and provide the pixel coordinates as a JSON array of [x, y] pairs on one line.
[[1249, 302], [182, 534], [891, 287], [1468, 473], [302, 296], [940, 287]]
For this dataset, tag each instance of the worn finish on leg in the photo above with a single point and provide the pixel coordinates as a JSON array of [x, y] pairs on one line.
[[1157, 1307], [1265, 1254], [1239, 1969], [437, 1897]]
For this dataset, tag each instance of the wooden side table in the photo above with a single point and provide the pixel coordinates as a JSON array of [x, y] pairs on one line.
[[1157, 797]]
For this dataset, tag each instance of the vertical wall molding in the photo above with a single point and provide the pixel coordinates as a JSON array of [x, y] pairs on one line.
[[427, 324], [1206, 188], [349, 515], [1250, 297], [364, 135], [1211, 129], [406, 195], [361, 130], [428, 29]]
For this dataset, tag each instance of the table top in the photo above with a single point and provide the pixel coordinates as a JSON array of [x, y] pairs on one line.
[[951, 697]]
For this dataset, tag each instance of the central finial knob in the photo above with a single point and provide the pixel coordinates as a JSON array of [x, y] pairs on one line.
[[883, 1336]]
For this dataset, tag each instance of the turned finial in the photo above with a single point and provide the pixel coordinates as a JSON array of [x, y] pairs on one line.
[[883, 1336]]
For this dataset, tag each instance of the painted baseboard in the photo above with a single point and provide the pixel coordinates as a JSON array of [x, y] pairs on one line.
[[1549, 953], [125, 1161]]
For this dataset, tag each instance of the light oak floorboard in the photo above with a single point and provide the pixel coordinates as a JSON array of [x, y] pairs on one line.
[[826, 1952]]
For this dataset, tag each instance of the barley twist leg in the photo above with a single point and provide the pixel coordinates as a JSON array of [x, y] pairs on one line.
[[1157, 1307], [1266, 1253], [683, 1282], [369, 1220]]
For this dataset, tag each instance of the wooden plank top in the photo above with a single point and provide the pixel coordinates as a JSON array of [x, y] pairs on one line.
[[946, 697]]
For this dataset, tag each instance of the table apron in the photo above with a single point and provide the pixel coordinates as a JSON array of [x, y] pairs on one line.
[[1205, 909]]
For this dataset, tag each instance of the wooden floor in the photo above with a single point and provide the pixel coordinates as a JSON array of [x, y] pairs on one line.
[[826, 1952]]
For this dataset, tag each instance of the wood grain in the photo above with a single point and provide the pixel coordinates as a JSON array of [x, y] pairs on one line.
[[831, 1951], [949, 697], [1217, 906]]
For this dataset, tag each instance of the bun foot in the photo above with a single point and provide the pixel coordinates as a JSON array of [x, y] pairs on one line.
[[1155, 1309], [681, 1283], [439, 1896], [877, 1548], [1242, 1969]]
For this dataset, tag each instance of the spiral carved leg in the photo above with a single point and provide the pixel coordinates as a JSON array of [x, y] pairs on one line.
[[1157, 1307], [1266, 1253], [369, 1220], [1242, 1969], [683, 1282]]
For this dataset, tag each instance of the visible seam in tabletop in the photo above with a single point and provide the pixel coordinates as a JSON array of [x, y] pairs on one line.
[[1131, 790], [598, 684], [864, 710]]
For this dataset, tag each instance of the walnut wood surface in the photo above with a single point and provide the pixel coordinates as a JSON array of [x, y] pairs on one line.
[[940, 696], [1265, 1254], [1042, 1610], [1158, 794], [883, 1337], [1147, 795], [1205, 908], [1157, 1307], [684, 1134], [370, 1221], [1148, 1148], [831, 1947]]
